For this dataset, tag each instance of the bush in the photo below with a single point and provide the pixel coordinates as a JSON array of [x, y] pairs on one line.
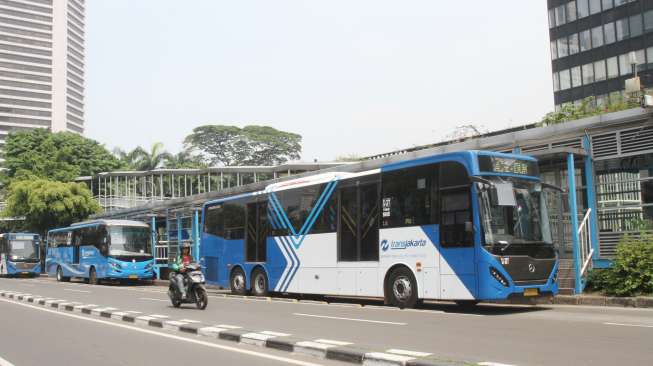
[[632, 271]]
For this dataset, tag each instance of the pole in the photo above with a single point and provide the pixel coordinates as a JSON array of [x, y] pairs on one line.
[[196, 236], [573, 215]]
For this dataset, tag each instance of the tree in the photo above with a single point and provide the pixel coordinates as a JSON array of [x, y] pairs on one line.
[[184, 159], [61, 156], [141, 159], [129, 159], [47, 204], [251, 145]]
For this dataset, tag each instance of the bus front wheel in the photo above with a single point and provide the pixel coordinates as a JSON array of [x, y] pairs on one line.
[[237, 282], [402, 288], [60, 276], [92, 276]]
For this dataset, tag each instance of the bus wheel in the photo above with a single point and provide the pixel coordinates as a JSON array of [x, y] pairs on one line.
[[60, 276], [402, 288], [92, 276], [237, 282], [259, 283]]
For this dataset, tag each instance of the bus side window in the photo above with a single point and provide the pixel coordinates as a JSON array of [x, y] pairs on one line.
[[234, 220], [214, 220], [410, 197], [455, 206]]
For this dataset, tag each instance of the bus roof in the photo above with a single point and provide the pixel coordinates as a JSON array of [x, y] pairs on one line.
[[17, 234], [106, 222]]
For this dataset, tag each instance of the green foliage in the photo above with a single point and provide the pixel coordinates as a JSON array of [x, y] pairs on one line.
[[587, 108], [61, 156], [184, 160], [251, 145], [141, 159], [632, 270], [47, 204]]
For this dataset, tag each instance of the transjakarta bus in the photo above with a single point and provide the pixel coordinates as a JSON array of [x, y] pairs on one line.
[[20, 254], [102, 249], [464, 226]]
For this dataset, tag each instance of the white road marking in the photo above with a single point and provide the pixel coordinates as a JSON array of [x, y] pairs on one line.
[[349, 319], [493, 364], [170, 336], [335, 343], [151, 299], [4, 362], [408, 353], [226, 326], [189, 321], [73, 290], [276, 334], [380, 358], [630, 325]]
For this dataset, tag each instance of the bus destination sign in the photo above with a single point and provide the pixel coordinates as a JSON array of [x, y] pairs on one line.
[[495, 164]]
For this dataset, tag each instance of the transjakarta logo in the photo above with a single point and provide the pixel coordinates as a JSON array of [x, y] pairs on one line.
[[401, 244]]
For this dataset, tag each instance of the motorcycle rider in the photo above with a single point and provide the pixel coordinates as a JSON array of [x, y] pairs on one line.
[[179, 269]]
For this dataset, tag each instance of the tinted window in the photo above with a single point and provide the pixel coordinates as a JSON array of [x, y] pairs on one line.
[[455, 206], [234, 220], [609, 33], [358, 234], [214, 220], [409, 197], [453, 174], [636, 27]]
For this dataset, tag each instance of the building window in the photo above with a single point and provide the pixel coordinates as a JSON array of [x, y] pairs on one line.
[[585, 40], [583, 8], [624, 64], [576, 79], [648, 20], [608, 30], [560, 15], [554, 50], [595, 6], [571, 11], [552, 19], [613, 67], [621, 2], [565, 79], [599, 70], [622, 29], [640, 57], [556, 81], [636, 27], [588, 73], [607, 4], [563, 50], [597, 36], [573, 44]]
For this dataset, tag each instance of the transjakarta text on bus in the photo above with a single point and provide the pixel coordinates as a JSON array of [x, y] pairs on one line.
[[464, 226]]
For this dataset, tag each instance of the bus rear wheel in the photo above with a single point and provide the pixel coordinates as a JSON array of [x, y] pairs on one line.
[[402, 288], [92, 276], [237, 282], [60, 276], [259, 283]]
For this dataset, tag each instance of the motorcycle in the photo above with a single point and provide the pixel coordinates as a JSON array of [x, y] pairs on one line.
[[194, 282]]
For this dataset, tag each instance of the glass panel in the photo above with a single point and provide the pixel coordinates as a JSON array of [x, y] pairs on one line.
[[595, 6], [613, 67], [622, 29], [640, 55], [609, 33], [583, 8], [552, 19], [576, 79], [369, 222], [649, 54], [585, 40], [563, 51], [648, 20], [599, 70], [597, 36], [573, 44], [571, 11], [565, 81], [620, 2], [554, 50], [607, 4], [636, 27], [560, 15], [588, 73], [556, 82], [624, 65]]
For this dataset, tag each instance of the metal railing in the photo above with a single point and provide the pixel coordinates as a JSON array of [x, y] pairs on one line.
[[585, 243]]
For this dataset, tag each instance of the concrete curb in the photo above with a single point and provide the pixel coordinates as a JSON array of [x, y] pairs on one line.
[[321, 348]]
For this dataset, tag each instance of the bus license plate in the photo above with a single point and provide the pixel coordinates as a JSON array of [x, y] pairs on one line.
[[133, 277], [531, 292]]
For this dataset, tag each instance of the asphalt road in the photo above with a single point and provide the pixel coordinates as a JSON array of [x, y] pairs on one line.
[[516, 335]]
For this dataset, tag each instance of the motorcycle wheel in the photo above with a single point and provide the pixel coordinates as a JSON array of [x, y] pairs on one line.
[[174, 298], [201, 299]]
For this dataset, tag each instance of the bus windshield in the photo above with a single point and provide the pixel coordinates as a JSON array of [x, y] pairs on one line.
[[24, 249], [513, 211], [129, 241]]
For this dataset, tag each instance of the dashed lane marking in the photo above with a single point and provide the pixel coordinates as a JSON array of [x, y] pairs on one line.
[[4, 362], [151, 299], [630, 325], [349, 319], [75, 290], [408, 353]]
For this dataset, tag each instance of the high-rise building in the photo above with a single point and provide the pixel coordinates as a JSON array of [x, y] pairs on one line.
[[41, 65], [596, 45]]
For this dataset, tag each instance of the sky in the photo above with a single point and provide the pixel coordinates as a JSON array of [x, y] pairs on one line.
[[353, 77]]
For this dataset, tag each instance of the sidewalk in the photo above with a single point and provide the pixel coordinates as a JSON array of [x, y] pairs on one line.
[[587, 300]]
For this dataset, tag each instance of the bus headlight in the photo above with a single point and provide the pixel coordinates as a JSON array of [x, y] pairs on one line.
[[498, 276], [148, 266], [115, 266]]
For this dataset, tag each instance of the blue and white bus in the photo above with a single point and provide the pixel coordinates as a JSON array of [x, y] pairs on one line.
[[20, 254], [464, 226], [101, 249]]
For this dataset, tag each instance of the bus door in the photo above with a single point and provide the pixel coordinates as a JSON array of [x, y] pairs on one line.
[[457, 251], [257, 233], [76, 244]]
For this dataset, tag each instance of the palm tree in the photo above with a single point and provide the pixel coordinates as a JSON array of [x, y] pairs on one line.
[[128, 159], [151, 160], [184, 159]]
